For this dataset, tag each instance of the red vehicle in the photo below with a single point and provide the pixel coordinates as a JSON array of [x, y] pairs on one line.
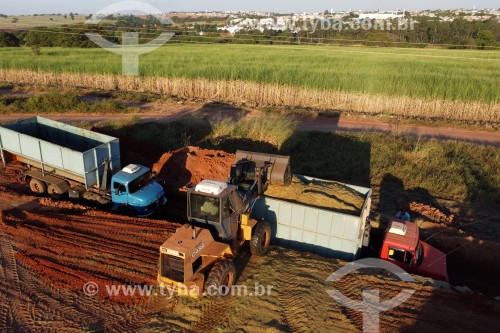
[[402, 246]]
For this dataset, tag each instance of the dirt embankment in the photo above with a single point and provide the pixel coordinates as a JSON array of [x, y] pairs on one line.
[[189, 166], [431, 213]]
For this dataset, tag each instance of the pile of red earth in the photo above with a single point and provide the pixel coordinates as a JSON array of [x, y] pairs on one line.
[[189, 166], [69, 250], [431, 213], [12, 172]]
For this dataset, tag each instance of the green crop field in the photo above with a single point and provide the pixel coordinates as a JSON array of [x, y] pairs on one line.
[[462, 75]]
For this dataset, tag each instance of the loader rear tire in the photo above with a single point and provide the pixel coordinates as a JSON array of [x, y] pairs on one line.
[[37, 186], [221, 278], [261, 238]]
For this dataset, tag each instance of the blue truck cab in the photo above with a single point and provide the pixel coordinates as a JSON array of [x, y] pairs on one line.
[[134, 191]]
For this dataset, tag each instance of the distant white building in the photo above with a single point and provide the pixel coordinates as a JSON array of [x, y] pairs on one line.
[[234, 29], [267, 22], [446, 19], [381, 15]]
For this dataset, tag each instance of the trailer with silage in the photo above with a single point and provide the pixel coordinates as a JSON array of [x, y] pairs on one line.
[[321, 216]]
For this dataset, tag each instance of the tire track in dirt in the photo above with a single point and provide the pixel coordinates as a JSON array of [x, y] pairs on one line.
[[56, 250], [292, 306], [70, 248], [4, 310], [73, 261], [135, 266], [138, 317], [300, 285], [353, 285], [57, 308], [51, 307], [346, 288], [428, 309], [215, 311], [18, 306]]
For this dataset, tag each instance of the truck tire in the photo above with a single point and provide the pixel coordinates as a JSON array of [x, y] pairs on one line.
[[37, 186], [261, 238], [221, 278], [127, 211], [55, 192]]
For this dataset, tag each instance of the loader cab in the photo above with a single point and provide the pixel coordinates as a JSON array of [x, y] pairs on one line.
[[134, 189], [216, 206]]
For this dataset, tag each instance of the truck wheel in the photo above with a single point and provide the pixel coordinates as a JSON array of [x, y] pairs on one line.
[[221, 278], [37, 186], [127, 211], [261, 238], [55, 192]]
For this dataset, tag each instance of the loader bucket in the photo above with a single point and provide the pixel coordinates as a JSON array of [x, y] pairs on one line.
[[279, 173]]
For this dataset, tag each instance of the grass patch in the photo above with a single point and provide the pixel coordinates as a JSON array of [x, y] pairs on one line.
[[460, 171], [171, 136], [134, 96], [272, 130], [53, 102], [128, 96]]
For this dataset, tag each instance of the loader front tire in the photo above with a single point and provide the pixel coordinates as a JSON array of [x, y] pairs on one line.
[[221, 278], [261, 238]]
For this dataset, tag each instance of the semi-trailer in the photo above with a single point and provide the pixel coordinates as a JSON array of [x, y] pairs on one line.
[[66, 161]]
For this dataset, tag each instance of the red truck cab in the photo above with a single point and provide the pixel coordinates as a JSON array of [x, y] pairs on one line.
[[402, 246]]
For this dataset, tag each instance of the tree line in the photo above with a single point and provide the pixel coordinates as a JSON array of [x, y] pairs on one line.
[[459, 33], [456, 33]]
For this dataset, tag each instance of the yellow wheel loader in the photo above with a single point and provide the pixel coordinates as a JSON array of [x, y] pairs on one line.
[[199, 256]]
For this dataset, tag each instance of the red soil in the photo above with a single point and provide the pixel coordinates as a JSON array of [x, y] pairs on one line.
[[432, 213], [189, 166], [69, 250]]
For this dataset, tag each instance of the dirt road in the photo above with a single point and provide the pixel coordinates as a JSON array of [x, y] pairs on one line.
[[323, 124]]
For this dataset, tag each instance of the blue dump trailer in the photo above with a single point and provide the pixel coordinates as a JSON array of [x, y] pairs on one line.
[[63, 160], [321, 230]]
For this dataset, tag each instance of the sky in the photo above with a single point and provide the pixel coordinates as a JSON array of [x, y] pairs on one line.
[[19, 7]]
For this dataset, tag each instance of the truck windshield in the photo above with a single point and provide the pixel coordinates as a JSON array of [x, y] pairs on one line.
[[203, 207], [419, 254], [139, 183]]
